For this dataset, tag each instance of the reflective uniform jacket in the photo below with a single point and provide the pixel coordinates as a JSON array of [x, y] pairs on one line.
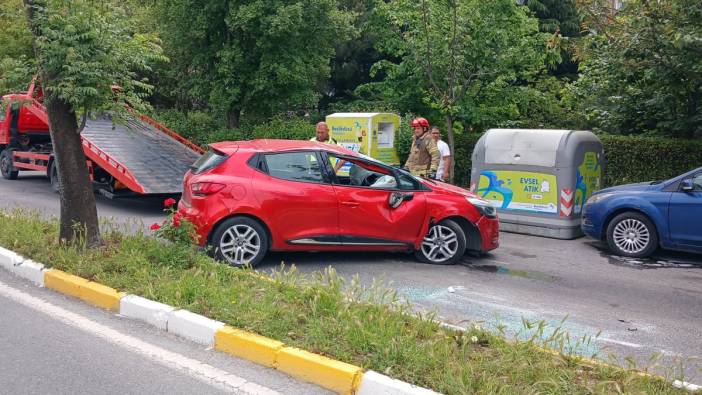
[[330, 141], [424, 155]]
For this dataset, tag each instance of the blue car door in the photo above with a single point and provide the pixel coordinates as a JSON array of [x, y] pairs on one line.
[[685, 216]]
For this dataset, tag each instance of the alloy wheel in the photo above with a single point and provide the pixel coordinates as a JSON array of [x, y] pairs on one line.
[[631, 236], [240, 244], [440, 244]]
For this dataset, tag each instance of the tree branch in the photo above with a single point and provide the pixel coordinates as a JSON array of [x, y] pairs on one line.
[[454, 39], [83, 121], [428, 67]]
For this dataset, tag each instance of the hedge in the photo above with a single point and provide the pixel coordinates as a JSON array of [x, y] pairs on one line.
[[628, 159], [638, 159]]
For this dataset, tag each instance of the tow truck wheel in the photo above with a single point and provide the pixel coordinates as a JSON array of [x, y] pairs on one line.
[[8, 171], [53, 177]]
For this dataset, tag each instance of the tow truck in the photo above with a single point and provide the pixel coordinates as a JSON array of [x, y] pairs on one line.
[[132, 156]]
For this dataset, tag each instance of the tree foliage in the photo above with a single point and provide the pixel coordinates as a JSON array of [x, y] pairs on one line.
[[463, 52], [16, 53], [255, 57], [643, 68], [83, 48], [562, 19]]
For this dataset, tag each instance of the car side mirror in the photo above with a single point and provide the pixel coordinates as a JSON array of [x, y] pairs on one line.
[[687, 186], [396, 198]]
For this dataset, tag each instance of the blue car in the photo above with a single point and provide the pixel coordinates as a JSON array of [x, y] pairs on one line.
[[636, 219]]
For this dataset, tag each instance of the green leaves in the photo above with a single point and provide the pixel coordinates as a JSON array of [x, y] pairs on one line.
[[85, 49], [643, 73], [258, 57], [461, 50]]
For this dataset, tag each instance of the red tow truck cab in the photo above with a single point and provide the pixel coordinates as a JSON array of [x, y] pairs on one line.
[[136, 157]]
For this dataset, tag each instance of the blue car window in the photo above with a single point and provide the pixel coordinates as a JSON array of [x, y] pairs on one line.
[[697, 182]]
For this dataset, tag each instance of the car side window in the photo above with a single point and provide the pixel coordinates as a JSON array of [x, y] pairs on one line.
[[361, 173], [697, 182], [3, 111], [295, 166]]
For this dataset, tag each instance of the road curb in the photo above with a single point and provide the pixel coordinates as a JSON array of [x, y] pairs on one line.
[[374, 383], [195, 327], [9, 259], [90, 292], [142, 309], [30, 270], [242, 344], [63, 282], [101, 296], [329, 373]]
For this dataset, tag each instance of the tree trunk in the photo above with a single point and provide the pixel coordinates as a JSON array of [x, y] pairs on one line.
[[233, 118], [78, 212], [452, 148]]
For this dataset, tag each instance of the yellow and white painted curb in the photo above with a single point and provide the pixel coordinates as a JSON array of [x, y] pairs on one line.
[[334, 375]]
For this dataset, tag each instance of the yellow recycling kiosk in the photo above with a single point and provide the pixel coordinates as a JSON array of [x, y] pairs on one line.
[[539, 180], [368, 133]]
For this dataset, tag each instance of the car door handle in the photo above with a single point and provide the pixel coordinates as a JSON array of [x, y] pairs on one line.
[[350, 204]]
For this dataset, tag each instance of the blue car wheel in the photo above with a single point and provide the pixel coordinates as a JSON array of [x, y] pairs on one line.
[[632, 234]]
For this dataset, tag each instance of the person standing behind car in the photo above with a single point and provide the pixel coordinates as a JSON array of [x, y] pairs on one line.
[[444, 170], [423, 159], [322, 134]]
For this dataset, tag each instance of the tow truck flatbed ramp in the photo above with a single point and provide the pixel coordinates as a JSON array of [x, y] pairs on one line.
[[149, 161]]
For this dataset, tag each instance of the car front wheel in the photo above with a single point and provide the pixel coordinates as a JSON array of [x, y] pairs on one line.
[[444, 244], [632, 235], [240, 241]]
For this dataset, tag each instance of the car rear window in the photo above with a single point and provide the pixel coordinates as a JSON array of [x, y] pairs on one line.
[[208, 161]]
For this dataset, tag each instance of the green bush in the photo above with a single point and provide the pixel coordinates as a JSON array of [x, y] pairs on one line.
[[196, 126], [637, 159], [628, 158], [282, 128]]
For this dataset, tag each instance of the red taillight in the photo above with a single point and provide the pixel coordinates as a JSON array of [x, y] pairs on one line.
[[205, 188]]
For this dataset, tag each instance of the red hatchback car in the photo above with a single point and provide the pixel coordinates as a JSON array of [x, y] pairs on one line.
[[248, 197]]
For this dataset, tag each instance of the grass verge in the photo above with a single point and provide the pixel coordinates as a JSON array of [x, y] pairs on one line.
[[369, 327]]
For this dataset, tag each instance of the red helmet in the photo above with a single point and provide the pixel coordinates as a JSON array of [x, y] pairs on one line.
[[420, 122]]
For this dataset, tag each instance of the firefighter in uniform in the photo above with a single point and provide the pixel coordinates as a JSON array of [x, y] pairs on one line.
[[424, 158]]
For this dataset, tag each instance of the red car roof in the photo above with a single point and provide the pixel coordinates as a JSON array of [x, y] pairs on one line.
[[229, 147]]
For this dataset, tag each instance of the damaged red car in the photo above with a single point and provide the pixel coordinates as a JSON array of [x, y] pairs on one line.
[[250, 197]]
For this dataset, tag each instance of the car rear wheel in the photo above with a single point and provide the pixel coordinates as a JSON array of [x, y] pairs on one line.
[[444, 244], [240, 241], [632, 235], [6, 167]]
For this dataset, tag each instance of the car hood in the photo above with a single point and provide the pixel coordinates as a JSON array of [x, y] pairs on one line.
[[443, 187], [642, 186]]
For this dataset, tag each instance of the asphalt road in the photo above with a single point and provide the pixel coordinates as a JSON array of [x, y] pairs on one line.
[[52, 344], [626, 308]]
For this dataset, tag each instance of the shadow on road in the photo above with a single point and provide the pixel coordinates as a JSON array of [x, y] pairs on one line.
[[662, 259]]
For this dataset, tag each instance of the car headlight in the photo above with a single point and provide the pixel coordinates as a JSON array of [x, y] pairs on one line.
[[483, 206], [597, 198]]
